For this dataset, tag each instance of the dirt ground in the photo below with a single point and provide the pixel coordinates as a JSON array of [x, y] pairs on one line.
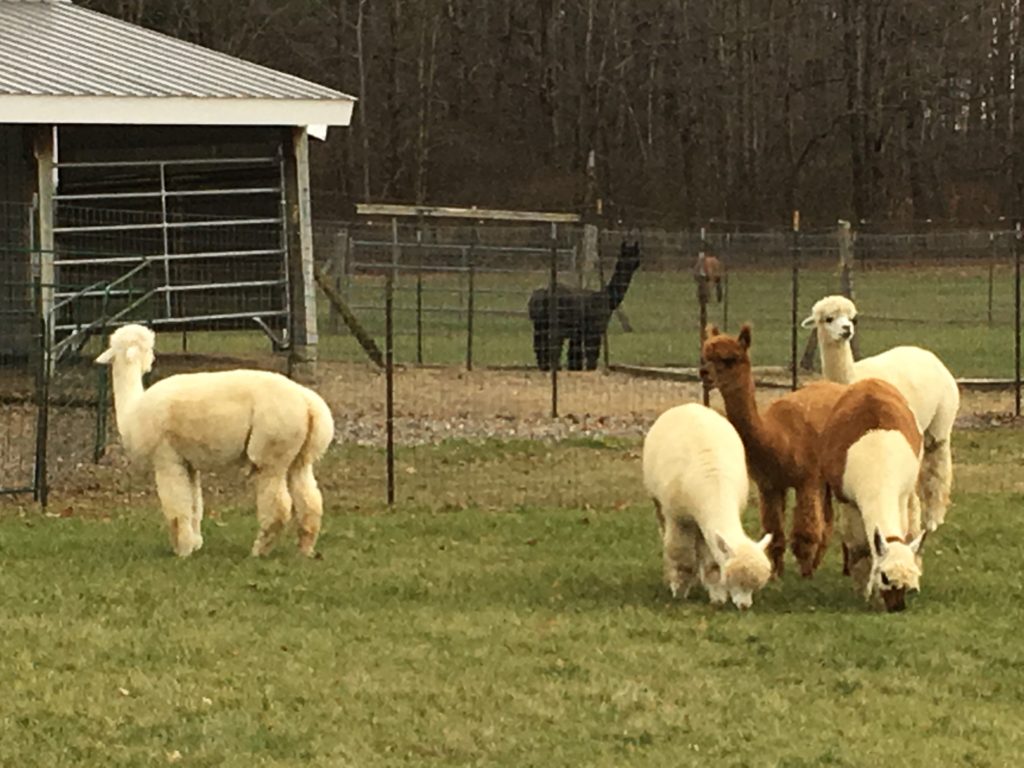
[[431, 405]]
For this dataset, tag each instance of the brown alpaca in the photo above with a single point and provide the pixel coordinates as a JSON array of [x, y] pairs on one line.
[[781, 445], [709, 271], [871, 457]]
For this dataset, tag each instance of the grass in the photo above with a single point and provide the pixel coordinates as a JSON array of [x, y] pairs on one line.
[[465, 632], [943, 308]]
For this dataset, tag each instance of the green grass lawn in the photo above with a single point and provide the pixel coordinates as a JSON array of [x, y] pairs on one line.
[[492, 633], [943, 309]]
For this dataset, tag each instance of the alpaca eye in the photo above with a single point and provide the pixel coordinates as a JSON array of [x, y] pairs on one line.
[[885, 579], [829, 319], [853, 320]]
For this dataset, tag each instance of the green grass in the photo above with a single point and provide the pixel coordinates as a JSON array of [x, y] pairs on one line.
[[495, 633], [944, 309]]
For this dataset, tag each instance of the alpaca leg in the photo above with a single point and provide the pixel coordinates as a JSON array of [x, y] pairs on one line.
[[576, 351], [197, 505], [542, 346], [828, 514], [592, 349], [935, 482], [174, 488], [711, 574], [773, 508], [273, 509], [808, 528], [679, 540], [309, 506]]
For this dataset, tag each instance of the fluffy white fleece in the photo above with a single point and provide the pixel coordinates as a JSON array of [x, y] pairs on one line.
[[695, 469], [263, 421]]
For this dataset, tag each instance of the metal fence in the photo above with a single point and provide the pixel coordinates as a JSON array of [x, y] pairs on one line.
[[448, 305]]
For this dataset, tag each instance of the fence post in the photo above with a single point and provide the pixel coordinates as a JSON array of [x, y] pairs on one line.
[[794, 319], [702, 316], [1016, 319], [419, 293], [553, 358], [469, 316], [101, 412], [40, 476], [991, 272], [389, 383]]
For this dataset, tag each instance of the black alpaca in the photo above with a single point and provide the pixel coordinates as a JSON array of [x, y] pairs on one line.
[[580, 315]]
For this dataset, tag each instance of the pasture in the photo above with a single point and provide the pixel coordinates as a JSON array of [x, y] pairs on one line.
[[509, 611], [494, 633]]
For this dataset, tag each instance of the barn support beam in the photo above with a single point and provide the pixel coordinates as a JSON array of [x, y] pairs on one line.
[[302, 285], [44, 148]]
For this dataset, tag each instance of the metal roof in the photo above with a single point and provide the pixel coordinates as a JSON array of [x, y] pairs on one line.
[[52, 48]]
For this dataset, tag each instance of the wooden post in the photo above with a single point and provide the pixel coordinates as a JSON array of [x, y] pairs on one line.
[[303, 337], [991, 273], [469, 317], [794, 307], [44, 149]]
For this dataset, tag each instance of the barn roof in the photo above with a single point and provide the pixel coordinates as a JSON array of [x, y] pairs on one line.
[[63, 64]]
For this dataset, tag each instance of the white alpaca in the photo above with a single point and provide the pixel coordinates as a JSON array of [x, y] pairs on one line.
[[262, 421], [695, 469], [918, 374], [871, 455]]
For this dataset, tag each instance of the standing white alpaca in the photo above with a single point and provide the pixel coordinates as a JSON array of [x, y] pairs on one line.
[[260, 420], [696, 471], [871, 456], [921, 378]]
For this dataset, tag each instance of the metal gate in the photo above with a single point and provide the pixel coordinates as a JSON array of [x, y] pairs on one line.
[[214, 232]]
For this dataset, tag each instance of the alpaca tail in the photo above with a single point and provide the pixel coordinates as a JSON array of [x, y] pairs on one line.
[[935, 483], [320, 432]]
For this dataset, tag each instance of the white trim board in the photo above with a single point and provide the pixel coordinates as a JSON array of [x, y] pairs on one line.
[[174, 110]]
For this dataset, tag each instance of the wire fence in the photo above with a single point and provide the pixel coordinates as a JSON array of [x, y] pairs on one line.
[[467, 413]]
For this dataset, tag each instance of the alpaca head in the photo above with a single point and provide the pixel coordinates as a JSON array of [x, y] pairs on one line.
[[746, 568], [836, 316], [895, 569], [130, 344], [725, 357]]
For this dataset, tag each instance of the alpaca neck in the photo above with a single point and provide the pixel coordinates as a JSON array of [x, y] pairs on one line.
[[127, 381], [741, 409], [836, 359], [618, 284]]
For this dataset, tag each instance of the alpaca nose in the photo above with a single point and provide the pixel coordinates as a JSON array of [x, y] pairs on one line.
[[846, 331], [705, 374]]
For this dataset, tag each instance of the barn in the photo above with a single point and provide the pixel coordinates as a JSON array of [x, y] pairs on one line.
[[142, 176]]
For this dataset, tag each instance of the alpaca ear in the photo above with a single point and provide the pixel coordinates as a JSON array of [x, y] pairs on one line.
[[723, 545], [106, 356], [764, 542], [131, 354], [712, 330], [808, 322], [880, 545], [917, 544], [744, 337]]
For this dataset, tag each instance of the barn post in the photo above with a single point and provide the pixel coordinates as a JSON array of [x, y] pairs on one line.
[[302, 286], [44, 149], [1016, 319]]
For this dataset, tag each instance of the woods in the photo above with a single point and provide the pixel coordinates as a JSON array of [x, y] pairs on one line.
[[872, 110]]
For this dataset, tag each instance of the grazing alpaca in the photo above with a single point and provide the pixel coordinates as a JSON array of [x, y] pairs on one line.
[[695, 470], [871, 453], [263, 421], [921, 378], [781, 445], [580, 315], [709, 271]]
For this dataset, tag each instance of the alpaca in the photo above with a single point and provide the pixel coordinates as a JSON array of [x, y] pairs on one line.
[[580, 315], [709, 271], [694, 468], [920, 377], [262, 421], [871, 454], [781, 445]]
